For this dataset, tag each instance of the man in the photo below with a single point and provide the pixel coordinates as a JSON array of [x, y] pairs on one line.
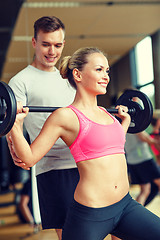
[[41, 84]]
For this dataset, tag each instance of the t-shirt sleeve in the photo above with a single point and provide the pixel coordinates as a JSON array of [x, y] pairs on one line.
[[19, 90]]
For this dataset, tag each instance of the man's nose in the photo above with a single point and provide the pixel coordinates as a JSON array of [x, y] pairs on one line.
[[51, 50]]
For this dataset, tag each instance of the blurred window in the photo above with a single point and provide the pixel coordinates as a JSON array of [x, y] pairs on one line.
[[144, 67]]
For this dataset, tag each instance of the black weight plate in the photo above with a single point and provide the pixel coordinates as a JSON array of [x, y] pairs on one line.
[[2, 109], [7, 95], [143, 115]]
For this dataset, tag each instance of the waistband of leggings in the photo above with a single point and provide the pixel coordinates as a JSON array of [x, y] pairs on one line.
[[102, 213]]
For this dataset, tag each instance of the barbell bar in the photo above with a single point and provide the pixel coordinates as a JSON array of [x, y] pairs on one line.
[[140, 115], [52, 109]]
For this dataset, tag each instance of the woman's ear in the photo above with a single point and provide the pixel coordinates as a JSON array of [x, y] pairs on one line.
[[77, 75]]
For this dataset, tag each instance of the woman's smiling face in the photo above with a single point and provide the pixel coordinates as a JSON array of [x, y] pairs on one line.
[[95, 74]]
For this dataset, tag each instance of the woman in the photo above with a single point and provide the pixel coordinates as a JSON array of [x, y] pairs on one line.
[[102, 204]]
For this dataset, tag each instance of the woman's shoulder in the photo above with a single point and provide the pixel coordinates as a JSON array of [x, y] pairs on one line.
[[64, 117], [64, 111], [63, 114]]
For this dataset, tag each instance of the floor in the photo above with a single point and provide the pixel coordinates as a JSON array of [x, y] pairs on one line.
[[12, 229]]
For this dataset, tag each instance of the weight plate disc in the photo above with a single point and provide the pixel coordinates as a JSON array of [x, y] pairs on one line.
[[6, 94], [143, 115]]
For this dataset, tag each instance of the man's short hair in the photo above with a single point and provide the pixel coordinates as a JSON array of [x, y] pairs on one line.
[[47, 24]]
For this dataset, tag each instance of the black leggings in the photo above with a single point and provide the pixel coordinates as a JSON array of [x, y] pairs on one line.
[[126, 219]]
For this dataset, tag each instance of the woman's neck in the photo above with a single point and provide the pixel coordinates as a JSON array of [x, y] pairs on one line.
[[85, 101]]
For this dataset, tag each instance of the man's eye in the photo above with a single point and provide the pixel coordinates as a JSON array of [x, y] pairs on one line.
[[45, 45], [58, 46]]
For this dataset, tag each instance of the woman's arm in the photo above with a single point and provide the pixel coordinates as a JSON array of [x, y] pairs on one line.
[[18, 162], [49, 134]]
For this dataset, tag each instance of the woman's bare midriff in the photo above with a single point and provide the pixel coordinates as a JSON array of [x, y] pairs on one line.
[[96, 187]]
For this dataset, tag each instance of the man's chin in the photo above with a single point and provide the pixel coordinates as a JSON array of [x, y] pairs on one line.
[[50, 64]]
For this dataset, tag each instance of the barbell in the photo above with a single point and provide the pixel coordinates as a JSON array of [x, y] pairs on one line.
[[141, 114]]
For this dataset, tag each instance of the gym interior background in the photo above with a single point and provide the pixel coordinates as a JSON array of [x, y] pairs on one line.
[[128, 31]]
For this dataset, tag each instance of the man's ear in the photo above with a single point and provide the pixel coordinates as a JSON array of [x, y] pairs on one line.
[[77, 75], [33, 42]]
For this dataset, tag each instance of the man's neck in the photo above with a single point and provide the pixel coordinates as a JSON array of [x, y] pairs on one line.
[[43, 68]]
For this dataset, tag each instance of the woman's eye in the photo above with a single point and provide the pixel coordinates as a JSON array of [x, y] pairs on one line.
[[108, 71], [99, 69]]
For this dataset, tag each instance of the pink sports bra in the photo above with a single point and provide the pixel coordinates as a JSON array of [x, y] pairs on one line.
[[96, 140]]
